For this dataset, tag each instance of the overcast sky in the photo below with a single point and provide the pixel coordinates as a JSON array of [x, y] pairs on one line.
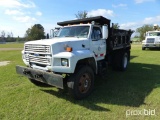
[[17, 16]]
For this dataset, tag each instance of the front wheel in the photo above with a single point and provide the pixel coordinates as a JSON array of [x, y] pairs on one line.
[[81, 83]]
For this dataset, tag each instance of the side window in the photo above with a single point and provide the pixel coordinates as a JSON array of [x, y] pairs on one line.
[[96, 33]]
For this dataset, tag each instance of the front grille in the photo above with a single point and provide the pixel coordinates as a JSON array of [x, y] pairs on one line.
[[39, 59], [37, 48], [38, 54], [150, 40]]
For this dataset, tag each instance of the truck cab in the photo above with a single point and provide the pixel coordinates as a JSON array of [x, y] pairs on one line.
[[152, 40], [91, 37]]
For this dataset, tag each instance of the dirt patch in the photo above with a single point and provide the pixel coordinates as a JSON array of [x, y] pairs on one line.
[[5, 49], [4, 63]]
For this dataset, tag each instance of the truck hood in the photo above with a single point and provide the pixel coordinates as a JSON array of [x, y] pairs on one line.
[[59, 44], [55, 40]]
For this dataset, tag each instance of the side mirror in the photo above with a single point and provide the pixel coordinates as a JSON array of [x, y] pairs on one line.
[[105, 31], [51, 33], [47, 37], [144, 35]]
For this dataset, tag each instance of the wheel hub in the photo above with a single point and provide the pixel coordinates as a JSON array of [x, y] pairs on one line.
[[84, 83], [125, 61]]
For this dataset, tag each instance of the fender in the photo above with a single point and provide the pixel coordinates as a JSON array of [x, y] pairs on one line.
[[73, 57]]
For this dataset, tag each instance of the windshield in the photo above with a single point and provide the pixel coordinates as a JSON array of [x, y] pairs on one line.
[[74, 31], [154, 34]]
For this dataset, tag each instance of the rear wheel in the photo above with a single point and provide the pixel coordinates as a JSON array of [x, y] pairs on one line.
[[124, 61], [120, 61], [81, 83]]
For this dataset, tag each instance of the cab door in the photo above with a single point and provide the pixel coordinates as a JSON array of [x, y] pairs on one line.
[[98, 45]]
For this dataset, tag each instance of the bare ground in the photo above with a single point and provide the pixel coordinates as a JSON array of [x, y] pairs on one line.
[[5, 49], [3, 63]]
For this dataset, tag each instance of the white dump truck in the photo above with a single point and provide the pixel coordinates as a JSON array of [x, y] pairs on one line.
[[152, 39], [82, 49]]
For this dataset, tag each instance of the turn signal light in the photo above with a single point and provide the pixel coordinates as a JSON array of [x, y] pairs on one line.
[[69, 49]]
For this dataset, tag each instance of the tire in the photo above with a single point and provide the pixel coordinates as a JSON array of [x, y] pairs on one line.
[[124, 61], [143, 48], [81, 83], [120, 61], [39, 84]]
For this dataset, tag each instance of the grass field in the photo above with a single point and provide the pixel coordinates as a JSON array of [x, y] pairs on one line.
[[12, 45], [121, 95]]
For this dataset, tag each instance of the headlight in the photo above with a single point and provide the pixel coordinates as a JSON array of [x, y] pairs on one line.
[[64, 62]]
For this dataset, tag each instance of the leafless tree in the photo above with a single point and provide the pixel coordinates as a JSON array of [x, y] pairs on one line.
[[3, 33], [81, 14]]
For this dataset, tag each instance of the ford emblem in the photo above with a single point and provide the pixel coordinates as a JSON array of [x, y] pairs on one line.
[[36, 55]]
